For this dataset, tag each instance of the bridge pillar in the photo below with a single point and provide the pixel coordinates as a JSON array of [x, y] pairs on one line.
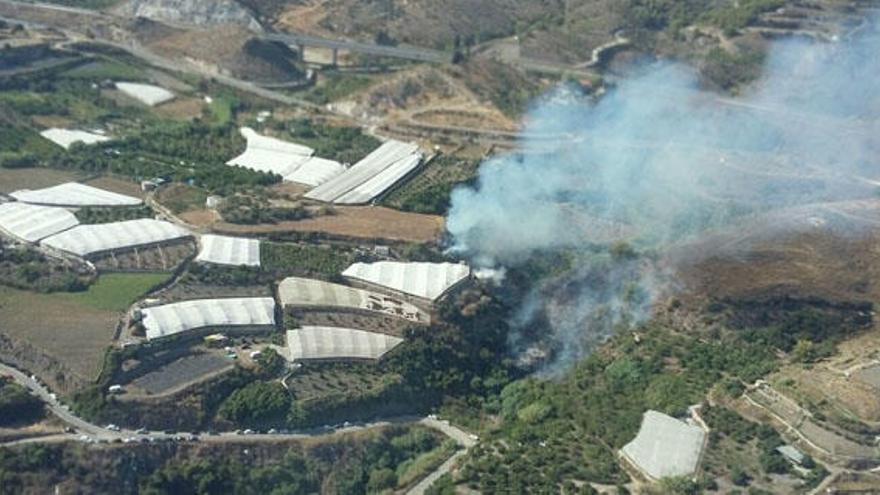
[[300, 51], [335, 56]]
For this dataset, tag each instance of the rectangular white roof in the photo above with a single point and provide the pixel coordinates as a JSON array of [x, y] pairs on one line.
[[380, 182], [234, 251], [380, 159], [32, 223], [315, 171], [665, 446], [66, 137], [174, 318], [74, 194], [425, 280], [88, 239], [145, 93], [338, 343], [296, 291], [268, 154]]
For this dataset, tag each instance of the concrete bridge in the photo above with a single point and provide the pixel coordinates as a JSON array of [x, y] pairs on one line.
[[300, 41]]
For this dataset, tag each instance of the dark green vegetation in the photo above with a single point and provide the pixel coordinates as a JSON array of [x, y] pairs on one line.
[[362, 462], [569, 430], [677, 14], [116, 291], [94, 215], [728, 426], [429, 191], [17, 404], [323, 261], [190, 152], [343, 144], [23, 267], [335, 86], [595, 409], [256, 209], [146, 145]]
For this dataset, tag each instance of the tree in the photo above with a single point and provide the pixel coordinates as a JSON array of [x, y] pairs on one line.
[[381, 479], [257, 403]]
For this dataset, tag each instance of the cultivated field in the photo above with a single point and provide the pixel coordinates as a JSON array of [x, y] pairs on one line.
[[337, 381], [183, 372], [359, 222]]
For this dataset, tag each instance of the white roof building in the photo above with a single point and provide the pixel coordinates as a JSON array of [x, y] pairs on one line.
[[364, 174], [337, 343], [74, 194], [31, 223], [305, 292], [85, 240], [236, 251], [147, 94], [380, 182], [175, 318], [271, 155], [66, 137], [665, 446], [421, 279], [315, 171]]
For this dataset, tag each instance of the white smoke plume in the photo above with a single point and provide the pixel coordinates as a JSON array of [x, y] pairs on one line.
[[658, 160]]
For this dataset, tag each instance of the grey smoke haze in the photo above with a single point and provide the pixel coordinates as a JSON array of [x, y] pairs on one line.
[[657, 161]]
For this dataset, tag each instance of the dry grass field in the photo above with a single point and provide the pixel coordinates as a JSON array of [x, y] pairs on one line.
[[118, 185], [34, 178], [76, 335], [356, 221], [73, 328]]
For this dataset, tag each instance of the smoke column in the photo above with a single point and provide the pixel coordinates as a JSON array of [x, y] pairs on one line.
[[657, 161]]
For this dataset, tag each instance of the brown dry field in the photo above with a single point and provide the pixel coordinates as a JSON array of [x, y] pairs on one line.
[[34, 178], [837, 268], [117, 185], [181, 108], [355, 221], [75, 335], [52, 121], [199, 218]]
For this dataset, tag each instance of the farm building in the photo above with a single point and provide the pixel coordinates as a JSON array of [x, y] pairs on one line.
[[315, 171], [235, 251], [67, 137], [332, 343], [247, 314], [665, 447], [370, 177], [74, 195], [381, 182], [271, 155], [307, 293], [426, 281], [32, 223], [145, 93], [90, 240]]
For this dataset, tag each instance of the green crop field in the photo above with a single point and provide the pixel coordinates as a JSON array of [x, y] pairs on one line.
[[115, 291]]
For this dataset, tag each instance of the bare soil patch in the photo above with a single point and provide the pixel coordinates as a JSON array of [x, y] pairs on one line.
[[182, 108], [361, 222], [117, 185]]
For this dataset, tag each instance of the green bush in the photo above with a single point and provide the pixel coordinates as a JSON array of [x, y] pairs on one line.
[[258, 403]]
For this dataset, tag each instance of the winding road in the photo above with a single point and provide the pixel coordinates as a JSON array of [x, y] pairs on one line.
[[92, 433]]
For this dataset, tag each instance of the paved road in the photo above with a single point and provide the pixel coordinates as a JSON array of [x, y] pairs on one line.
[[404, 52]]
